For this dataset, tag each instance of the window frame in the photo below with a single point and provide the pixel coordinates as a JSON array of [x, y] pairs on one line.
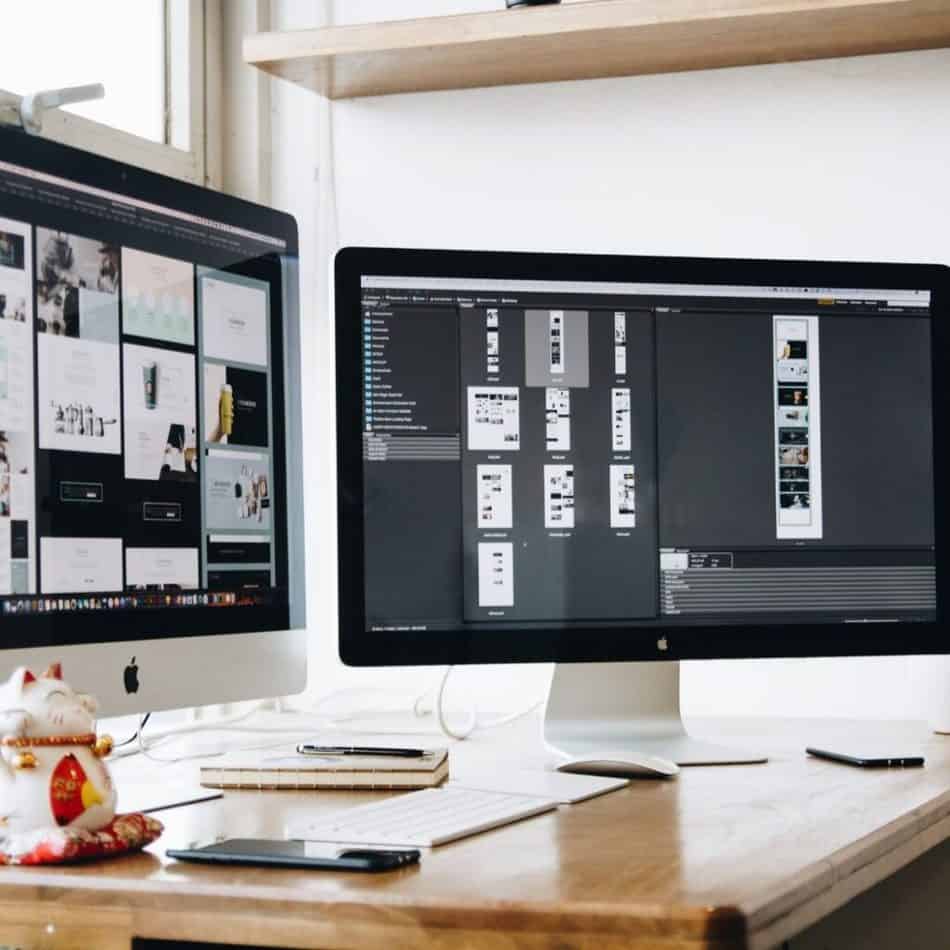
[[185, 106]]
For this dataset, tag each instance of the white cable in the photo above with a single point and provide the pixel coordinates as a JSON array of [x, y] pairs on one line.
[[146, 749], [343, 721], [447, 730], [400, 700], [194, 725], [233, 723], [511, 717], [203, 724], [143, 750], [474, 723]]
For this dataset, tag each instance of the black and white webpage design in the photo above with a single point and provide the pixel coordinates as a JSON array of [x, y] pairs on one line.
[[797, 427], [17, 472], [238, 514], [150, 438]]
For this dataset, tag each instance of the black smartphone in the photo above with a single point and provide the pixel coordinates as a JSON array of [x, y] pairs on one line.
[[296, 854], [876, 759]]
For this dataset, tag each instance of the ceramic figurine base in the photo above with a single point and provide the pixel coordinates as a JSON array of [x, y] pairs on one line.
[[123, 834]]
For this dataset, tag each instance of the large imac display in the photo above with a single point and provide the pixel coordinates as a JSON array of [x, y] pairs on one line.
[[148, 410], [569, 458]]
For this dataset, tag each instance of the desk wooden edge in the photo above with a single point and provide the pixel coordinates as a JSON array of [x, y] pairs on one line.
[[268, 917], [827, 885]]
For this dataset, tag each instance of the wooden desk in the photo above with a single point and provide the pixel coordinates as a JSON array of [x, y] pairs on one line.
[[728, 857]]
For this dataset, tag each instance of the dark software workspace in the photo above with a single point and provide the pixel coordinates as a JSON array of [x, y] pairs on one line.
[[622, 454]]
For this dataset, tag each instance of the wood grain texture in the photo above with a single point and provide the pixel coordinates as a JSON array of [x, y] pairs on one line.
[[596, 39], [727, 858]]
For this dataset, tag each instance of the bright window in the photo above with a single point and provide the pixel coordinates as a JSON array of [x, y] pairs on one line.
[[148, 54], [52, 43]]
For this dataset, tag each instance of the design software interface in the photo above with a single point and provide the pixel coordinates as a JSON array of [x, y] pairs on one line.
[[136, 425], [597, 454]]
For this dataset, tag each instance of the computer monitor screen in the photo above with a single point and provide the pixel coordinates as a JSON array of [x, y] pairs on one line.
[[143, 477], [561, 458]]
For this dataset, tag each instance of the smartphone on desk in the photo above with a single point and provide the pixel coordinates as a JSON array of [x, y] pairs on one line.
[[296, 854], [864, 758]]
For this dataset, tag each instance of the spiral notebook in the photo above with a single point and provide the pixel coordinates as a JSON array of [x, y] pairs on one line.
[[275, 769]]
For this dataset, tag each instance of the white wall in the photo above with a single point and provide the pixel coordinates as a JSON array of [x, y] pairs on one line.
[[840, 159]]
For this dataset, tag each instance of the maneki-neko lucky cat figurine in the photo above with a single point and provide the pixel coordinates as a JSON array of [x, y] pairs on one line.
[[51, 769]]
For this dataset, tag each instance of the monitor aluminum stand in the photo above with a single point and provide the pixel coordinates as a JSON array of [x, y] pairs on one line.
[[635, 707]]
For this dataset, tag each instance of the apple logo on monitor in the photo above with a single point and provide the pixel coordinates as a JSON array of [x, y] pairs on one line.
[[131, 677], [662, 644]]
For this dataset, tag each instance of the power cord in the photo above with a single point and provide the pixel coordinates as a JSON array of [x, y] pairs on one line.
[[139, 744], [473, 722], [234, 723], [135, 735]]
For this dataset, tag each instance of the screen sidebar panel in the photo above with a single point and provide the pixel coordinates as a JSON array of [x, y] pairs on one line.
[[411, 454]]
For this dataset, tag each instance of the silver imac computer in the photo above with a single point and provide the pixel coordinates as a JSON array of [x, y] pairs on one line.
[[616, 463], [150, 496]]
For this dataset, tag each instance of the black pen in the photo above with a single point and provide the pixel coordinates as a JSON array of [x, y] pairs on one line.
[[307, 749]]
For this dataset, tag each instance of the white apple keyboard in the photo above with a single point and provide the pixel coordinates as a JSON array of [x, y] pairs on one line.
[[423, 819]]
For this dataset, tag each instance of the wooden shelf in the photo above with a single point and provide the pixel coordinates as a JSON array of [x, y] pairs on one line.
[[591, 40]]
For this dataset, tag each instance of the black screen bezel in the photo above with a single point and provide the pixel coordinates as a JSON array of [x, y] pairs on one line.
[[597, 644], [110, 626]]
